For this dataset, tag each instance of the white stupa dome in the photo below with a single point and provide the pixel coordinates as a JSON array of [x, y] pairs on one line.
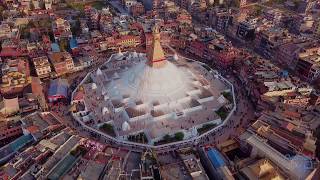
[[125, 126], [99, 72], [94, 86]]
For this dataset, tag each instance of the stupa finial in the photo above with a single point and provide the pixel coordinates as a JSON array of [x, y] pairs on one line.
[[156, 55]]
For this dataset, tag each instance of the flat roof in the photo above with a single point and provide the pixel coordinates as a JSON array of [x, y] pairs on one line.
[[62, 167]]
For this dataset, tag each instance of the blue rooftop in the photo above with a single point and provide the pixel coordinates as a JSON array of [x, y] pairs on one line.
[[58, 87], [73, 43], [9, 150], [55, 47], [20, 142], [215, 158], [284, 73]]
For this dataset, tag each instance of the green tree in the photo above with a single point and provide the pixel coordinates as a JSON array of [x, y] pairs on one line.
[[179, 136], [166, 137]]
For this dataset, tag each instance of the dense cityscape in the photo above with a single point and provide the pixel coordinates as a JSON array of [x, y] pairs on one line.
[[160, 89]]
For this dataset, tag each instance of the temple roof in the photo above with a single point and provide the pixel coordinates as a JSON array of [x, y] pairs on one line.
[[156, 55]]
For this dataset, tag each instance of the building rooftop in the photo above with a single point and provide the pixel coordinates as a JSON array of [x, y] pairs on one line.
[[41, 62], [216, 158], [55, 47], [58, 87], [58, 57], [263, 169], [92, 170]]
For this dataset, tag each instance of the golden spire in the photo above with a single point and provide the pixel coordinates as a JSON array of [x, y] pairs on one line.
[[156, 55]]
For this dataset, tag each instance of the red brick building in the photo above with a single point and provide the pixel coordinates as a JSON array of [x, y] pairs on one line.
[[137, 9], [222, 54]]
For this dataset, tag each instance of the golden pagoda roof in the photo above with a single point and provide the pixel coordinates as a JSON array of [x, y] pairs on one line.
[[156, 55]]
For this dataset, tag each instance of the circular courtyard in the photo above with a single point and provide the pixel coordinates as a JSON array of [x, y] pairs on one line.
[[129, 100]]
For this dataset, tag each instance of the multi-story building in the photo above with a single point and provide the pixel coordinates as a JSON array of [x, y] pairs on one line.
[[197, 48], [106, 22], [38, 92], [184, 17], [61, 29], [274, 15], [220, 18], [127, 41], [220, 53], [10, 48], [5, 31], [288, 54], [283, 88], [9, 107], [308, 65], [137, 9], [42, 66], [268, 40], [15, 76], [28, 104], [296, 99], [246, 30], [62, 62], [9, 130], [93, 17], [261, 169]]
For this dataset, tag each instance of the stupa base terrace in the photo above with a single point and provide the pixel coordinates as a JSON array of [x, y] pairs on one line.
[[128, 101]]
